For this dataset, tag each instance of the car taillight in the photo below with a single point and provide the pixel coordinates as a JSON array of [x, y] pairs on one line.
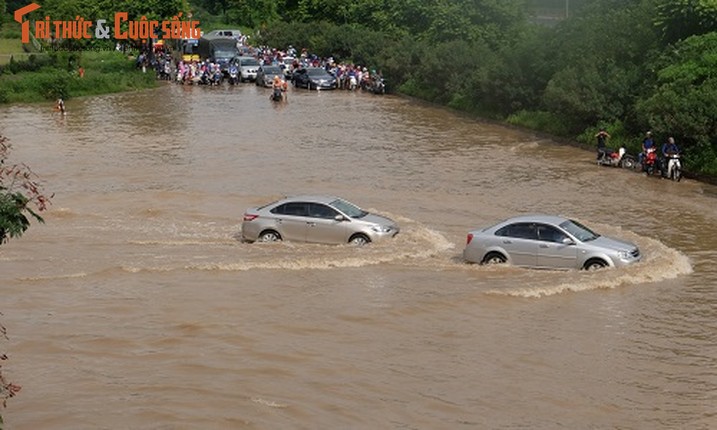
[[469, 239], [249, 217]]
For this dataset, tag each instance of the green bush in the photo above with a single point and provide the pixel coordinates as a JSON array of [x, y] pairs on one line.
[[539, 120], [47, 77]]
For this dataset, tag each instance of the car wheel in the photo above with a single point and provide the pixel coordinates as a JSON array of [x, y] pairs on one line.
[[359, 240], [269, 236], [594, 264], [494, 258]]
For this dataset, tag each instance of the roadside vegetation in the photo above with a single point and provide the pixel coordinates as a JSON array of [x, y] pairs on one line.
[[29, 75], [51, 76], [565, 68]]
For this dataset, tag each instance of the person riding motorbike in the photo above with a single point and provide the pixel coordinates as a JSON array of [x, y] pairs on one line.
[[670, 151], [277, 86], [647, 143]]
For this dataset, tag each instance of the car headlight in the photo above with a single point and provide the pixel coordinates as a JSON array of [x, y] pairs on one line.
[[623, 255], [381, 229]]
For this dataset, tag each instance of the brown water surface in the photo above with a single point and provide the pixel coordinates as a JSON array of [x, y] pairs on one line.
[[135, 306]]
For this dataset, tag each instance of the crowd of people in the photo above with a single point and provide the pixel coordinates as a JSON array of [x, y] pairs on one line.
[[349, 76]]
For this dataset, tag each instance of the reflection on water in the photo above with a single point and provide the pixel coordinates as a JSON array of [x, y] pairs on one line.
[[137, 297]]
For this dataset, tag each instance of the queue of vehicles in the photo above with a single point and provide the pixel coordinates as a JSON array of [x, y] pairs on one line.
[[222, 48]]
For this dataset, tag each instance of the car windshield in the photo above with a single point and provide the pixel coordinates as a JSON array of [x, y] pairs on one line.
[[249, 62], [578, 230], [349, 209], [272, 71], [316, 72], [223, 54]]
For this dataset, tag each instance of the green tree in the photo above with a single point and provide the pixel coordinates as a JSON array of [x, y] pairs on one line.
[[251, 13], [684, 102], [679, 19], [21, 196]]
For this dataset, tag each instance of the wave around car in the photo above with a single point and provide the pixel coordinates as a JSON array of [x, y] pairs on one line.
[[547, 241]]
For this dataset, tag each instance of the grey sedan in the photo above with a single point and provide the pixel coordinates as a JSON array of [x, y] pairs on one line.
[[320, 219], [265, 75], [546, 241]]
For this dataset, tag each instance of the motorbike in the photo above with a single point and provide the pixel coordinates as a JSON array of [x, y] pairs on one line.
[[233, 75], [217, 78], [204, 78], [674, 167], [379, 86], [650, 164], [619, 158], [276, 95]]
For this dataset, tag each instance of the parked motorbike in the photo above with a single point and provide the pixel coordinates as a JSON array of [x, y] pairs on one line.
[[619, 158], [674, 167], [650, 163], [380, 86]]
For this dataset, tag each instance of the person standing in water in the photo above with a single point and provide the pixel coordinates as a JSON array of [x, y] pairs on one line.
[[61, 105]]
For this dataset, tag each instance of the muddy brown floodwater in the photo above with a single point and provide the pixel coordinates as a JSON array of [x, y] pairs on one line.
[[136, 307]]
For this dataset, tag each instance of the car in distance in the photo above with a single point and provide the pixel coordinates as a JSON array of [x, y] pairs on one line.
[[318, 219], [265, 75], [248, 67], [287, 65], [547, 241], [314, 78]]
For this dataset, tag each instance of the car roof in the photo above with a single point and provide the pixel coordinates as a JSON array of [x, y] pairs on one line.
[[310, 198], [539, 218]]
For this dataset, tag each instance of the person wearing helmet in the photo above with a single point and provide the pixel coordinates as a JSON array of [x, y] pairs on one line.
[[647, 145], [277, 88], [669, 150]]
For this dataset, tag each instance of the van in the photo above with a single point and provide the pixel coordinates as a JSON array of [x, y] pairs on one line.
[[248, 66]]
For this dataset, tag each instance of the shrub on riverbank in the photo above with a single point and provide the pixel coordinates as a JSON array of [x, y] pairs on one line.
[[50, 76]]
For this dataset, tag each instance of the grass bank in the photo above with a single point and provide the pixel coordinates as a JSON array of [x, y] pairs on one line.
[[11, 48], [45, 77]]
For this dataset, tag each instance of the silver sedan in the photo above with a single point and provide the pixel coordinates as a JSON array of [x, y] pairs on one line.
[[546, 241], [320, 219]]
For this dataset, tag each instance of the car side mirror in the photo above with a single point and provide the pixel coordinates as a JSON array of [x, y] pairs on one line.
[[340, 218], [568, 241]]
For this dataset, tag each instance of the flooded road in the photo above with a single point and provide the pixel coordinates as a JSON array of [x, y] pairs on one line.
[[136, 307]]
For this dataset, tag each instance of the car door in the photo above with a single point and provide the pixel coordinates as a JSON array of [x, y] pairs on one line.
[[292, 220], [323, 227], [552, 251], [520, 242]]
